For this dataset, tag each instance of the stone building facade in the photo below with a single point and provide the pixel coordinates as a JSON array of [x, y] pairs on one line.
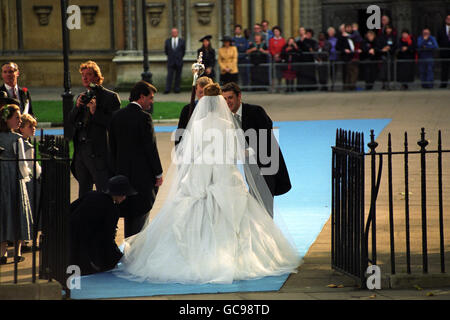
[[111, 30]]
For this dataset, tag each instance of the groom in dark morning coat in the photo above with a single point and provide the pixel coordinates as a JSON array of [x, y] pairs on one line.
[[255, 117], [135, 155]]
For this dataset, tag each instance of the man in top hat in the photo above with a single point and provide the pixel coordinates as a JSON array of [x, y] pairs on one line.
[[209, 56], [10, 76], [93, 222]]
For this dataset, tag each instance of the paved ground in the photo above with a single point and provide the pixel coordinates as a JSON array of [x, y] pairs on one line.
[[409, 111]]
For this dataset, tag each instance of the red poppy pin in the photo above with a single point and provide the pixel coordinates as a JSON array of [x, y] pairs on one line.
[[25, 89]]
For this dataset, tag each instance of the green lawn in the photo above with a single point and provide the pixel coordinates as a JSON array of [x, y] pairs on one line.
[[51, 111]]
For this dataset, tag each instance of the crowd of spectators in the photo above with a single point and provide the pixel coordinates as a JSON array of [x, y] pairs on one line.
[[267, 59]]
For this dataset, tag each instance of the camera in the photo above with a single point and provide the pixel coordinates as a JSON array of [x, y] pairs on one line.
[[89, 94], [84, 100]]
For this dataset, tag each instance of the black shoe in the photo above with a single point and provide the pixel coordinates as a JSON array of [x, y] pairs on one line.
[[3, 260], [166, 92], [19, 259], [443, 86]]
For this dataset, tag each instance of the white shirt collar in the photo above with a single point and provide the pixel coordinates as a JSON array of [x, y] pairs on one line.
[[137, 104], [9, 88], [239, 111]]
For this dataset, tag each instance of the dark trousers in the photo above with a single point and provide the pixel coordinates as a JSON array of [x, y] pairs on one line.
[[426, 73], [370, 74], [135, 210], [133, 225], [322, 70], [244, 71], [351, 75], [444, 72], [90, 170], [228, 77], [333, 73], [170, 71], [259, 76]]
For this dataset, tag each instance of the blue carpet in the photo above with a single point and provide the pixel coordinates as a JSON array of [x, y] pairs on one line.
[[59, 132], [107, 285], [306, 147]]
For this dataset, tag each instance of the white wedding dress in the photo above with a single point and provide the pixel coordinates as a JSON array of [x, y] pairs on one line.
[[210, 229]]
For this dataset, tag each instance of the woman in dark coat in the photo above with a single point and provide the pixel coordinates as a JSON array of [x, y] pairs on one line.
[[209, 56], [307, 70], [290, 55], [388, 46], [405, 60], [259, 57], [369, 56]]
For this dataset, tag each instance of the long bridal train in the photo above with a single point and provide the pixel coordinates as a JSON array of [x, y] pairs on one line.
[[210, 229]]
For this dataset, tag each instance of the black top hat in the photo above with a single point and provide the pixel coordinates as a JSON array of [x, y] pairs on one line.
[[4, 99], [208, 37], [226, 38], [120, 186]]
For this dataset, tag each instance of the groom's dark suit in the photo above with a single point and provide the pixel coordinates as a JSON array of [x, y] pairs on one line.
[[135, 155], [183, 122], [255, 117], [23, 97]]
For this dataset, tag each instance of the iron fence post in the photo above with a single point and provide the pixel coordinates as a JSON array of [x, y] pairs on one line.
[[391, 208], [373, 145], [441, 213], [423, 143], [408, 249]]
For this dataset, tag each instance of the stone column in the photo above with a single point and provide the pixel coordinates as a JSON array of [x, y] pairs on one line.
[[8, 28], [239, 12], [281, 14], [227, 22], [295, 16], [402, 15], [130, 25], [311, 14], [220, 20], [270, 12], [258, 8], [187, 25]]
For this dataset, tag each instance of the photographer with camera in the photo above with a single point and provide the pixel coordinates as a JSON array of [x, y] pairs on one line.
[[90, 118]]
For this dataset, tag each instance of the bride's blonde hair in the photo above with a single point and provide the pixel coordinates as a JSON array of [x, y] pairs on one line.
[[212, 89]]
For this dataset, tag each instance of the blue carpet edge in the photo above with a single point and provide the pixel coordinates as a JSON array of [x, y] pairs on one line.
[[272, 283]]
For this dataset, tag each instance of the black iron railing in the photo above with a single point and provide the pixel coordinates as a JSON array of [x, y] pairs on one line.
[[50, 208], [347, 236], [55, 209], [350, 233]]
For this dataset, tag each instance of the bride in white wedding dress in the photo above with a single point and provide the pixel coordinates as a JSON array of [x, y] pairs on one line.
[[210, 228]]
